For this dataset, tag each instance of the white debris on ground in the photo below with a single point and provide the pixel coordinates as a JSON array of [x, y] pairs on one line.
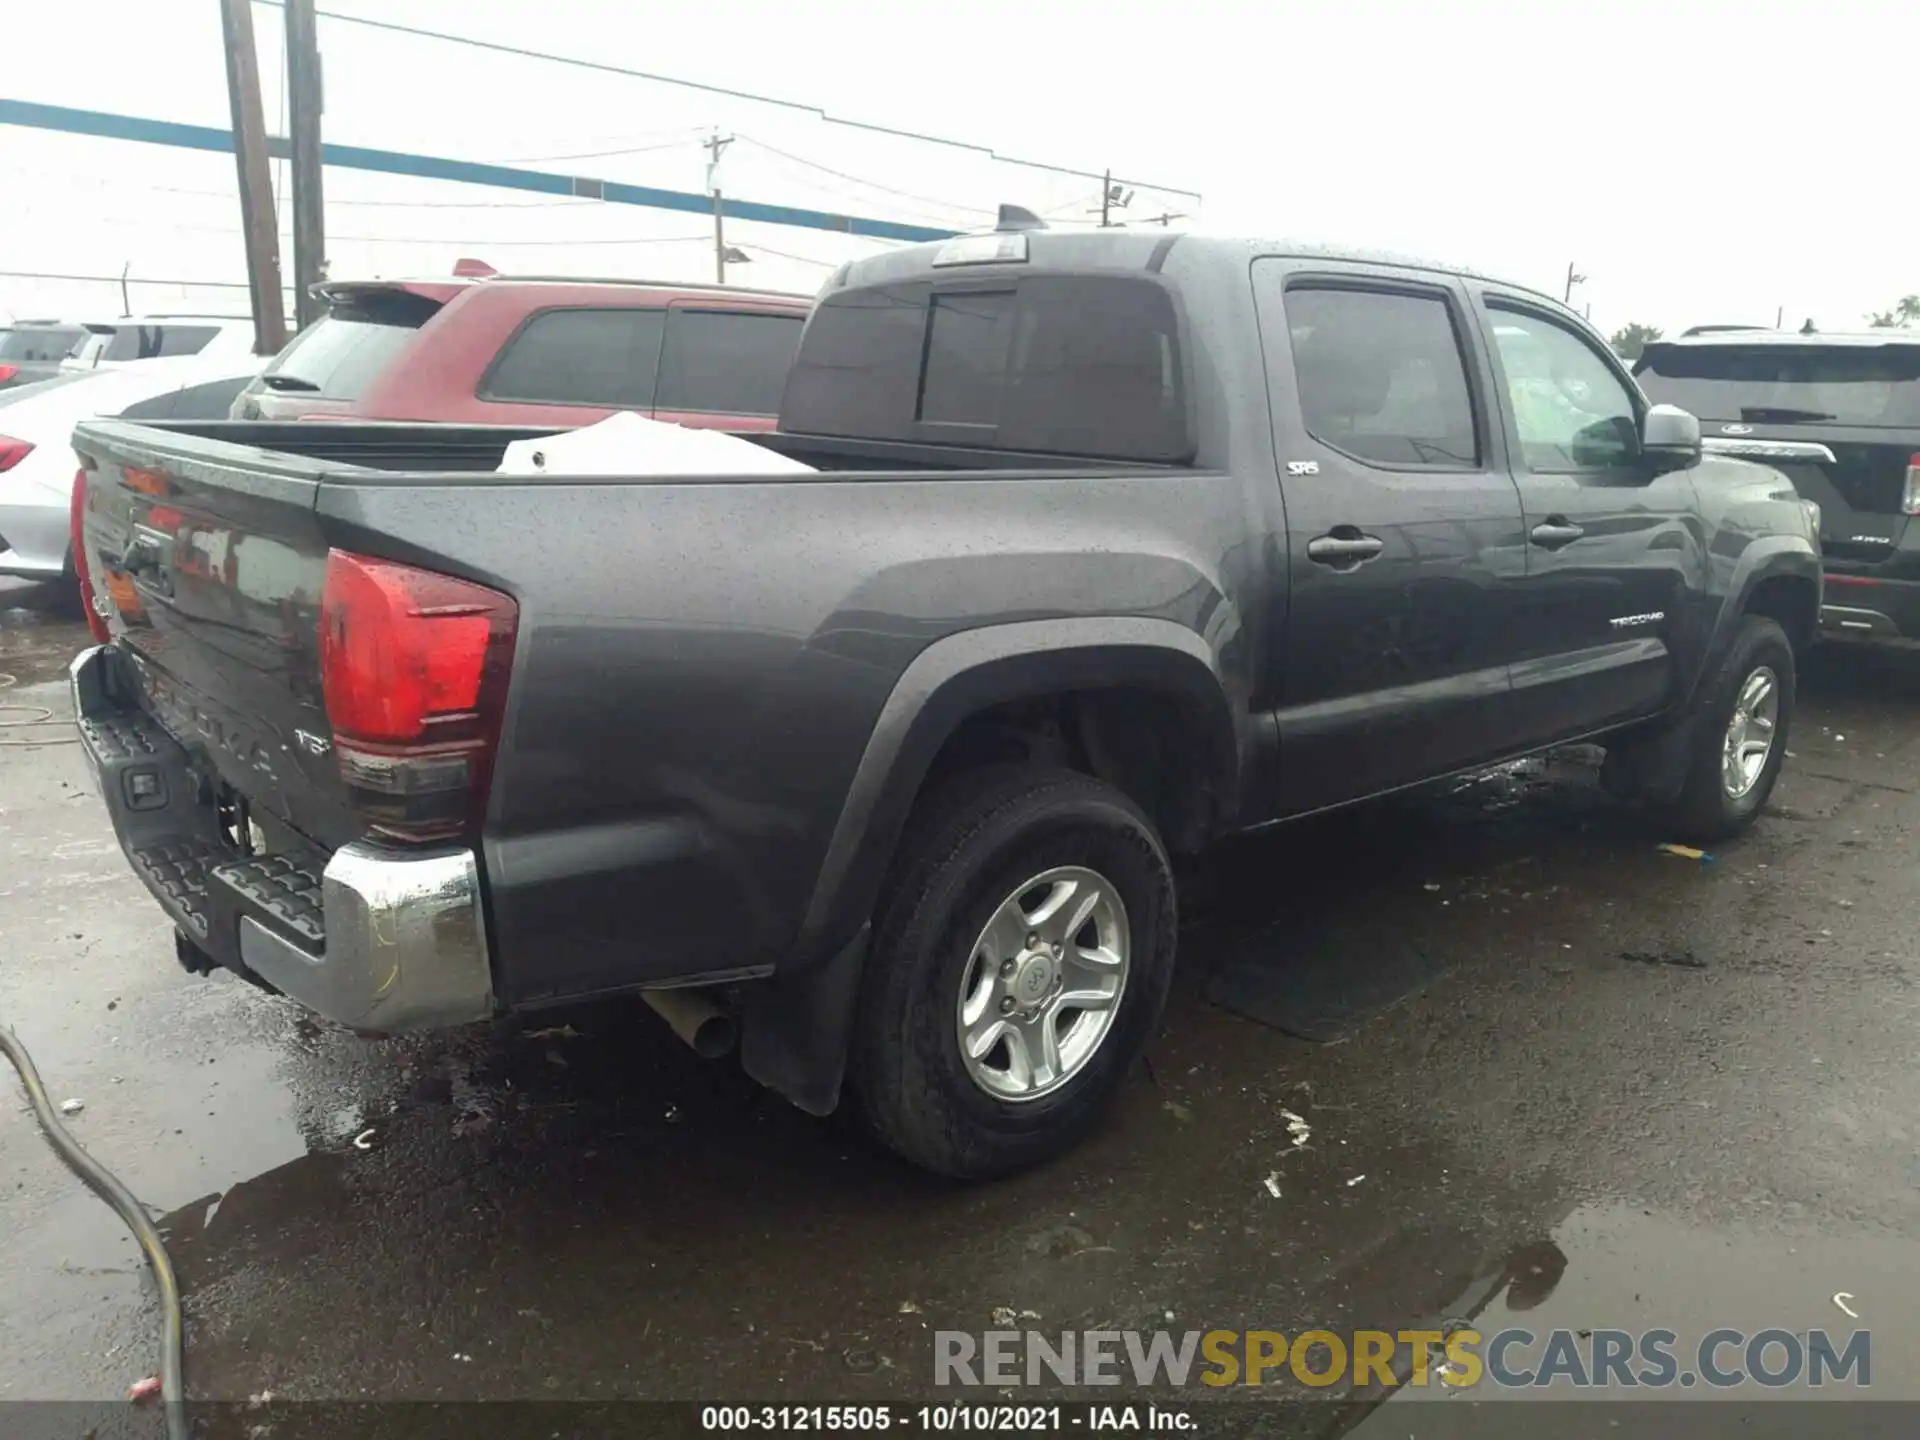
[[1297, 1128], [1273, 1184]]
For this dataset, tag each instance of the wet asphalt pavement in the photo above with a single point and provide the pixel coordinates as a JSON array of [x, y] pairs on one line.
[[1639, 1090]]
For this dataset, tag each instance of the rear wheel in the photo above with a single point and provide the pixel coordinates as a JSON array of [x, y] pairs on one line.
[[1742, 741], [1022, 958]]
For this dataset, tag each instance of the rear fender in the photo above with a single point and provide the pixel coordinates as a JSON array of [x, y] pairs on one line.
[[796, 1026], [1763, 559]]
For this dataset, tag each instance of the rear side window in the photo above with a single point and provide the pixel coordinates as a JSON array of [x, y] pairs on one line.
[[1060, 364], [347, 349], [42, 343], [608, 358], [1380, 376], [151, 342], [1785, 384], [728, 362]]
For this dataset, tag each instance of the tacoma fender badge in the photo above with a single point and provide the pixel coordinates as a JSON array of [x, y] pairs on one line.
[[1627, 622]]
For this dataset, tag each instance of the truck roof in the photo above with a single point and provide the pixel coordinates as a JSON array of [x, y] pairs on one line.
[[1141, 249]]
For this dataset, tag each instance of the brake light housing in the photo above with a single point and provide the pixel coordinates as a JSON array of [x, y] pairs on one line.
[[414, 668], [7, 372], [77, 542], [12, 452], [1910, 498]]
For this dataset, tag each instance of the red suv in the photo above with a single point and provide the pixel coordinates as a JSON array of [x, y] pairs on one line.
[[489, 349]]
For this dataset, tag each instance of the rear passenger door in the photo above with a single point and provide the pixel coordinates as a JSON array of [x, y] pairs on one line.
[[1612, 544], [1404, 532], [718, 367]]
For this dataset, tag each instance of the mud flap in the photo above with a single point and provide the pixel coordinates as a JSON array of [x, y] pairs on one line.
[[1653, 767], [794, 1028]]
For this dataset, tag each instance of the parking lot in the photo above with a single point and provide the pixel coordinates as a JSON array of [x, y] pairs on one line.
[[1633, 1089]]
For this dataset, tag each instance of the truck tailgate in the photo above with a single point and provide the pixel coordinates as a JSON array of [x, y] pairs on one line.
[[213, 573]]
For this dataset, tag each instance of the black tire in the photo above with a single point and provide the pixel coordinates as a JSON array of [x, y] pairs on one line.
[[965, 851], [1705, 812]]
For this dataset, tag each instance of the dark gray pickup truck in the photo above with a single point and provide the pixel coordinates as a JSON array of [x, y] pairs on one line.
[[1118, 543]]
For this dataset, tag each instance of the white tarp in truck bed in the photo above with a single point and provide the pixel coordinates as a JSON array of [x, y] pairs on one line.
[[629, 444]]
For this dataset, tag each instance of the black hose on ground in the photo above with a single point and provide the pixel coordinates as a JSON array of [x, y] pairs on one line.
[[104, 1184]]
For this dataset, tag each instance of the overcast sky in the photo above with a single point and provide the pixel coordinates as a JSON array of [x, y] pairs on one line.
[[1698, 160]]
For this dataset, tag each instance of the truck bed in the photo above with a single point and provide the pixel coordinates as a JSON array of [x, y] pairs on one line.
[[698, 667], [474, 450]]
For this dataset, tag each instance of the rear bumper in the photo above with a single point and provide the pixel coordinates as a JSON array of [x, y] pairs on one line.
[[377, 939], [1886, 612]]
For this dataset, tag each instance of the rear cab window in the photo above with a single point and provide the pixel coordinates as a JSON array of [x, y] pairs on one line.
[[1789, 383], [1050, 363], [347, 349]]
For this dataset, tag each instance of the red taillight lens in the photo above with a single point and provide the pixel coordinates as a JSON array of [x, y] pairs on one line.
[[1910, 501], [414, 667], [7, 372], [12, 452], [77, 539]]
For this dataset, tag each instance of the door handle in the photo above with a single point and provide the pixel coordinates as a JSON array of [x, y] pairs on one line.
[[1556, 531], [1348, 549]]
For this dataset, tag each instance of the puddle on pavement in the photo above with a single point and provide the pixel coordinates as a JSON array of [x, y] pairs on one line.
[[1619, 1267]]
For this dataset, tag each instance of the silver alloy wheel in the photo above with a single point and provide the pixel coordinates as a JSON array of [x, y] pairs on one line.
[[1750, 732], [1043, 984]]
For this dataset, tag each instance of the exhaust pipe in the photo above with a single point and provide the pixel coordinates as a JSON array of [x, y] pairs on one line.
[[708, 1030]]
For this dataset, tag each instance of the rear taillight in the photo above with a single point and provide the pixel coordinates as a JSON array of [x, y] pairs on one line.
[[414, 667], [12, 452], [77, 539], [1910, 500], [7, 372]]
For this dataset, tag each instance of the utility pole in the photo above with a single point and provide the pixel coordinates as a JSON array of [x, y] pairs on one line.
[[1779, 317], [1112, 196], [256, 184], [716, 146], [1572, 280], [304, 105]]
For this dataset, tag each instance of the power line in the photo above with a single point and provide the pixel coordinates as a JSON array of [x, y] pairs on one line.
[[857, 180], [569, 203], [75, 121], [604, 67], [787, 255], [456, 240], [130, 279], [592, 154]]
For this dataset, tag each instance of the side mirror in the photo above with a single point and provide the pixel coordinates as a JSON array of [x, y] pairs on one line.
[[1670, 438]]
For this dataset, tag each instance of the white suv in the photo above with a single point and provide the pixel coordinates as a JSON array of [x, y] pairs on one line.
[[127, 341]]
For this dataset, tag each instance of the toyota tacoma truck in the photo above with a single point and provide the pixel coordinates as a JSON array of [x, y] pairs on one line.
[[1115, 544], [1839, 415]]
